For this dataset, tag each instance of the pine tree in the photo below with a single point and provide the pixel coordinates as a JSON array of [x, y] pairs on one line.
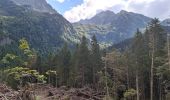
[[64, 65], [38, 64], [83, 63], [95, 58], [156, 44], [137, 49], [74, 67]]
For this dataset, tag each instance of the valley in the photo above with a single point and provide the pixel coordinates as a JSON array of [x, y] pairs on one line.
[[110, 56]]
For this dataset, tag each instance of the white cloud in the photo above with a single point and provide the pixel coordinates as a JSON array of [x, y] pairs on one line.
[[61, 1], [90, 7]]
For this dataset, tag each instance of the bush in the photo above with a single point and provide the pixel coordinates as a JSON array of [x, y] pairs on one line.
[[130, 93], [51, 77], [19, 76]]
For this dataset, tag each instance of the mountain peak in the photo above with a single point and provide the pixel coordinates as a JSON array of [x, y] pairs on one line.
[[104, 17], [123, 12], [111, 28], [37, 5], [107, 12]]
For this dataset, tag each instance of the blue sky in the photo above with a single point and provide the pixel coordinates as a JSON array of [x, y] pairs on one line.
[[75, 10]]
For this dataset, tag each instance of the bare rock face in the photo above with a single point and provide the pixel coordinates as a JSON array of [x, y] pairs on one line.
[[37, 5]]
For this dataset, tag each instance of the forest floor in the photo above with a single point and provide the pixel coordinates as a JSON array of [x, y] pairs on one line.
[[64, 93], [47, 92], [6, 93]]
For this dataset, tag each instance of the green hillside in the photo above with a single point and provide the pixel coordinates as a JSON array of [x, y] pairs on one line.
[[45, 32]]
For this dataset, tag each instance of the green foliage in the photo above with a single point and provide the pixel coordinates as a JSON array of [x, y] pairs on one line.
[[164, 72], [29, 56], [102, 80], [23, 44], [145, 49], [8, 58], [19, 76], [64, 63], [45, 32], [96, 61], [83, 63], [11, 60], [52, 77], [130, 93], [50, 72], [156, 31], [26, 57]]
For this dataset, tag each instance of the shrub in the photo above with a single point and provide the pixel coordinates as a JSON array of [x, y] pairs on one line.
[[19, 76]]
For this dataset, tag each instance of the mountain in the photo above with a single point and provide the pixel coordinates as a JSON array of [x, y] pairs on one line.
[[104, 17], [45, 32], [37, 5], [123, 45], [166, 22], [111, 28]]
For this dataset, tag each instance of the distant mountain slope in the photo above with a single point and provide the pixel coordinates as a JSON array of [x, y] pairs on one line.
[[105, 17], [166, 25], [166, 22], [44, 31], [111, 28], [127, 42], [38, 5]]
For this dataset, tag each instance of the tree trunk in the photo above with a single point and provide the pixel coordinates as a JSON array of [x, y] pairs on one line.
[[106, 83], [160, 89], [56, 85], [94, 82], [168, 50], [127, 75], [49, 79], [151, 80], [83, 76], [137, 84], [152, 66]]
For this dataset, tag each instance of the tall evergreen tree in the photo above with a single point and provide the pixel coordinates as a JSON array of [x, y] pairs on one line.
[[95, 58], [64, 65], [83, 63], [38, 64], [74, 66], [138, 49], [156, 44]]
